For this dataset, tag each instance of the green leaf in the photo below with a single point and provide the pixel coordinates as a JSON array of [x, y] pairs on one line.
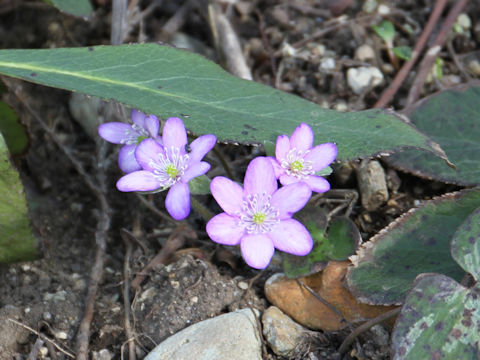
[[12, 131], [386, 31], [325, 171], [80, 8], [439, 320], [165, 81], [200, 185], [403, 52], [418, 242], [343, 239], [466, 245], [17, 242], [451, 118], [438, 68]]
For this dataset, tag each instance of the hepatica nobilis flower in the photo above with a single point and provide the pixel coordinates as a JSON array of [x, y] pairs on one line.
[[259, 215], [169, 166], [295, 160], [130, 135]]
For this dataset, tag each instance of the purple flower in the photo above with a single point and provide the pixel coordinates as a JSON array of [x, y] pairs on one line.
[[259, 216], [169, 166], [295, 159], [143, 127]]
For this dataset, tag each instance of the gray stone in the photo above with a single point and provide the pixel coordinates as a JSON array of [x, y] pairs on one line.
[[233, 336], [283, 335]]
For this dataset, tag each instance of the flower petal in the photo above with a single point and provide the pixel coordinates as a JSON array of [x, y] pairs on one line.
[[152, 125], [286, 179], [147, 151], [197, 169], [292, 237], [114, 132], [178, 201], [290, 199], [277, 169], [260, 177], [201, 146], [317, 183], [257, 250], [282, 147], [126, 159], [322, 155], [138, 118], [138, 181], [228, 194], [302, 137], [224, 229], [174, 134]]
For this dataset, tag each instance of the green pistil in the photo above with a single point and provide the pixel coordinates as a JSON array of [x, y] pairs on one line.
[[296, 166], [141, 138], [171, 171], [259, 218]]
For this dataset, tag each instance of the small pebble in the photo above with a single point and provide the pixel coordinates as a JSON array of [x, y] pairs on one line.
[[44, 351], [362, 77], [364, 53], [464, 21], [383, 9], [242, 285], [327, 64], [474, 66], [62, 335]]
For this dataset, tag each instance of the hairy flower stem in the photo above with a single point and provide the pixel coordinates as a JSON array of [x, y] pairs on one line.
[[201, 209], [224, 163]]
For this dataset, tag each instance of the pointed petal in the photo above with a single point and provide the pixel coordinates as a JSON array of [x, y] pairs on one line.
[[114, 132], [292, 237], [282, 147], [147, 151], [197, 169], [260, 177], [290, 199], [317, 183], [138, 118], [302, 137], [277, 169], [178, 201], [257, 250], [126, 159], [138, 181], [201, 146], [322, 155], [288, 179], [152, 125], [174, 134], [224, 229], [228, 194]]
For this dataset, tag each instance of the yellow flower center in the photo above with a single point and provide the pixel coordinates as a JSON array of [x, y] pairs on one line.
[[171, 171], [259, 218], [141, 138], [296, 166]]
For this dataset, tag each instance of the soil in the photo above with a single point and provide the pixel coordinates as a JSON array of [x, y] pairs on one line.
[[198, 280]]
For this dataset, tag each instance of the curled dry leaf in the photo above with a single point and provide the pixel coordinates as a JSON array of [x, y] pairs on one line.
[[296, 301]]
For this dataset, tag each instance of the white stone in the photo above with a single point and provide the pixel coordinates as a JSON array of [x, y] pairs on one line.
[[383, 9], [232, 336], [327, 64], [364, 53], [62, 335], [464, 21], [362, 77]]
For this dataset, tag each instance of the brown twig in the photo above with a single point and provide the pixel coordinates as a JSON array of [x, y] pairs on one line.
[[126, 295], [174, 242], [266, 43], [390, 92], [43, 337], [364, 327], [433, 51], [457, 62]]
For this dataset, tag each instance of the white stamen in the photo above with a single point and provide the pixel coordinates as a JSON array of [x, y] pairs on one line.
[[257, 207], [296, 165], [132, 135], [169, 168]]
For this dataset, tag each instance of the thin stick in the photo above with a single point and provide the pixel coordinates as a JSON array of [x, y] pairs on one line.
[[390, 92], [364, 327], [224, 163], [154, 209], [119, 21], [201, 209], [43, 337], [126, 296], [429, 59]]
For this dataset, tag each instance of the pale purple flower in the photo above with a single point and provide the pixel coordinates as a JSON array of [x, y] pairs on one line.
[[169, 166], [130, 135], [295, 160], [259, 215]]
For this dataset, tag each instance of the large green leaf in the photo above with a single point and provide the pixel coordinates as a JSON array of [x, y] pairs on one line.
[[439, 320], [418, 242], [452, 119], [165, 81], [466, 245], [81, 8], [17, 242]]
